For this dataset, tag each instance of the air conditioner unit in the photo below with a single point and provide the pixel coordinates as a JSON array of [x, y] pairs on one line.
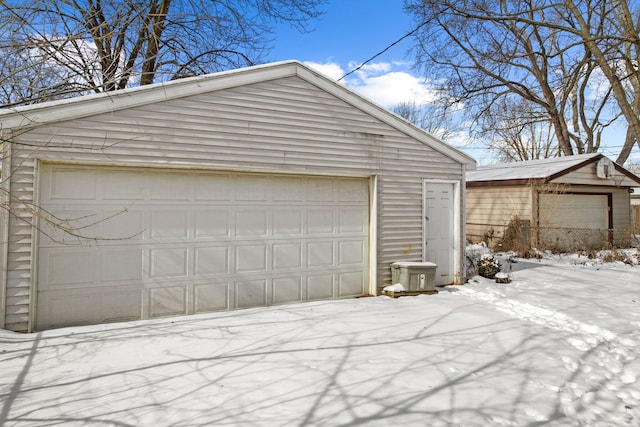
[[604, 168]]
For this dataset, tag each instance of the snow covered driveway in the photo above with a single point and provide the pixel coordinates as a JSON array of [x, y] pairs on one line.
[[558, 346]]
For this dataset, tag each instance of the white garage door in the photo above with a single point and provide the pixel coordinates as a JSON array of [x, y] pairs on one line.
[[573, 221], [575, 210], [180, 242]]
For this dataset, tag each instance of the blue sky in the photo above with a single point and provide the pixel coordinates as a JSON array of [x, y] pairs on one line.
[[352, 31]]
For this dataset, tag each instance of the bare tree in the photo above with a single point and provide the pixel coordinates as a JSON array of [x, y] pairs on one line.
[[64, 47], [634, 167], [51, 49], [610, 30], [438, 120], [518, 133], [536, 52]]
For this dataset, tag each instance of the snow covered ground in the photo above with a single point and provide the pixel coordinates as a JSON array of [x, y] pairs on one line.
[[558, 346]]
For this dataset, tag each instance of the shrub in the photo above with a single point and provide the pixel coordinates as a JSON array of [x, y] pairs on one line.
[[488, 266], [474, 253], [517, 236]]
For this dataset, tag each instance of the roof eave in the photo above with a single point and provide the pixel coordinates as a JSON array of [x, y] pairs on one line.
[[505, 182], [628, 174]]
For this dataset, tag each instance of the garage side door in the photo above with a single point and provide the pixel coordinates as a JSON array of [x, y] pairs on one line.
[[439, 231], [574, 221], [166, 243]]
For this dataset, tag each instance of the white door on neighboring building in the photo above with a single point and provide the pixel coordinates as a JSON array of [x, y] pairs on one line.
[[439, 229]]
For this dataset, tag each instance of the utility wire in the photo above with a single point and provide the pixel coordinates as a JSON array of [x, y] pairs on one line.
[[409, 34]]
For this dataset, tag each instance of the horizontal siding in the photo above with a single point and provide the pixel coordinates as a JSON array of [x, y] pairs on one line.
[[623, 227], [400, 238], [285, 125], [587, 176], [19, 242], [635, 218], [489, 210]]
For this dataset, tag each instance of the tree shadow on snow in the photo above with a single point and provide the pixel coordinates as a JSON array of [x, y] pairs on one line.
[[325, 363]]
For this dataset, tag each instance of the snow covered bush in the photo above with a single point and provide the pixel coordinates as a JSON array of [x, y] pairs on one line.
[[473, 254], [488, 266]]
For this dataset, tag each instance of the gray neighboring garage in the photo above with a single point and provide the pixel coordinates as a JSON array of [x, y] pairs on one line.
[[259, 186]]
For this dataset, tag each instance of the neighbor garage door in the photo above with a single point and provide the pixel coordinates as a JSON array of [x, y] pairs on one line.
[[574, 221], [180, 242]]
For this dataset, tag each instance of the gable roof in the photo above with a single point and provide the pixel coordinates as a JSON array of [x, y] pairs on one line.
[[67, 109], [543, 170]]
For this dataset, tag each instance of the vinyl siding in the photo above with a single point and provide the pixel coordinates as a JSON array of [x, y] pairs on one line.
[[20, 252], [286, 125], [489, 210], [586, 175]]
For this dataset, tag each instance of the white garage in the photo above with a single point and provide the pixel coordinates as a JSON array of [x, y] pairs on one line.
[[253, 187], [175, 242]]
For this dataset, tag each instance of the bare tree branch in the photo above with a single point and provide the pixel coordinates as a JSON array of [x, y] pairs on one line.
[[554, 56], [105, 45]]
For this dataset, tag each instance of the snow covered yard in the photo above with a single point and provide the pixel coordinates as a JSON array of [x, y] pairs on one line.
[[558, 346]]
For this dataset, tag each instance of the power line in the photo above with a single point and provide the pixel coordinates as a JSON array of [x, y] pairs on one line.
[[410, 33]]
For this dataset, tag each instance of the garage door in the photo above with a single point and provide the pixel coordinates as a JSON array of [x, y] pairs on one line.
[[167, 243], [574, 221]]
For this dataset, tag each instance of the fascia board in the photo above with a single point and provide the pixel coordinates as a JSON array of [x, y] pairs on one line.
[[627, 173]]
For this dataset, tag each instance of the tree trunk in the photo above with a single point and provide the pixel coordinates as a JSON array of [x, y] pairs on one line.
[[158, 19], [619, 92]]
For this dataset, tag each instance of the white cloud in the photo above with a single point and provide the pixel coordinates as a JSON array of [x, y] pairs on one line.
[[387, 84], [330, 69], [393, 88]]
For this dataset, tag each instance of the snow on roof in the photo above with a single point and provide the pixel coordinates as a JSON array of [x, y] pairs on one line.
[[530, 169]]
